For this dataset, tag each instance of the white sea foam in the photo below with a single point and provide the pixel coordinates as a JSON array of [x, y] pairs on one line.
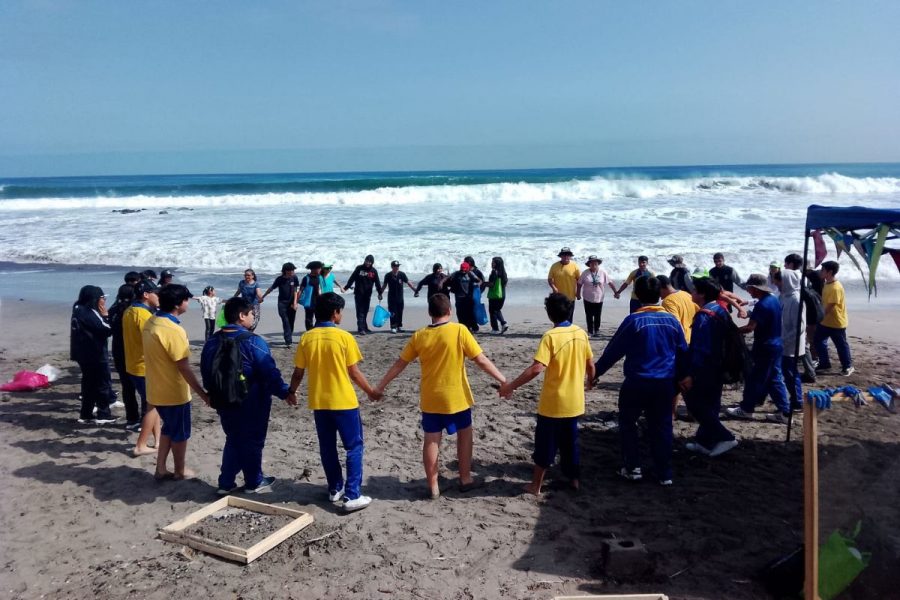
[[754, 220]]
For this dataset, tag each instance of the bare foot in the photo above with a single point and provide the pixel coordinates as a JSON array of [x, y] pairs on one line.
[[145, 451], [187, 474], [531, 489]]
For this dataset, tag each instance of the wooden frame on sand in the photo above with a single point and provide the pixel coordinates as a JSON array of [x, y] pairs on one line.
[[175, 532]]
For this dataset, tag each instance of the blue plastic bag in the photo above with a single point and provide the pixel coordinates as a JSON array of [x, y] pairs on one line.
[[481, 316], [381, 315], [307, 294]]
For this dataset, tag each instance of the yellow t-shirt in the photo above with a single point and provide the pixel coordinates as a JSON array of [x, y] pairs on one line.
[[325, 353], [133, 321], [565, 352], [165, 343], [632, 276], [565, 278], [833, 293], [442, 351], [682, 307]]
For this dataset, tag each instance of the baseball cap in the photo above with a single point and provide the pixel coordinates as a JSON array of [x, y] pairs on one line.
[[145, 286], [395, 263], [700, 273]]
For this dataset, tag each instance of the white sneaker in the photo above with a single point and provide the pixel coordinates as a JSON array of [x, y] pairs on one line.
[[336, 496], [698, 448], [117, 404], [848, 371], [393, 330], [357, 503], [738, 413], [723, 447]]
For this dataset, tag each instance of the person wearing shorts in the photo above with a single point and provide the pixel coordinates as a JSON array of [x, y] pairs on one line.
[[445, 397], [170, 379], [564, 356]]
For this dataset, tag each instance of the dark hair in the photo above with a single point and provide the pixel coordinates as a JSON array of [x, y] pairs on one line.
[[125, 293], [557, 307], [647, 290], [718, 255], [469, 260], [172, 295], [438, 305], [327, 304], [207, 290], [830, 265], [132, 277], [664, 281], [148, 274], [435, 267], [795, 260], [497, 265], [234, 308], [643, 258], [708, 288], [369, 258], [90, 296], [252, 273], [288, 266]]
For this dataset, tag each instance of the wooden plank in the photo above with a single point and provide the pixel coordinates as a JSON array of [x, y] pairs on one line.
[[260, 507], [616, 597], [198, 515], [811, 502], [279, 536], [209, 546]]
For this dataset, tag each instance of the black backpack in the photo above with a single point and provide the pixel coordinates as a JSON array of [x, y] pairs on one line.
[[227, 387], [736, 359], [815, 310]]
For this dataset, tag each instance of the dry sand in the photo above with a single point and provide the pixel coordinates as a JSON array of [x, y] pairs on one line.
[[79, 516]]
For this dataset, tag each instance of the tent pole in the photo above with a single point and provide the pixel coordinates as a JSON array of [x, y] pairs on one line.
[[810, 468]]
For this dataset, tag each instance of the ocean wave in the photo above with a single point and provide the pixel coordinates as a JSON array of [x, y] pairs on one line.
[[424, 191]]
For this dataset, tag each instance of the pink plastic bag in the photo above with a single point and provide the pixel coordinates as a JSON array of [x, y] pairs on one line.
[[25, 381]]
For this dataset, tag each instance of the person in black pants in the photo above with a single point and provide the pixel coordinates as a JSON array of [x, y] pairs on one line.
[[313, 281], [394, 282], [434, 282], [462, 284], [363, 279], [496, 287], [288, 291], [129, 393], [89, 334]]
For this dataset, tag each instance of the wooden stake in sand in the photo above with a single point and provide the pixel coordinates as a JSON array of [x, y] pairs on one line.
[[176, 531]]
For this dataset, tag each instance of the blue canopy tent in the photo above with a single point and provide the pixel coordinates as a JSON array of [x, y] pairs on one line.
[[846, 220]]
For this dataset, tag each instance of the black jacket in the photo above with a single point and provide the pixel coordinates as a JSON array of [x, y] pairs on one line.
[[90, 332]]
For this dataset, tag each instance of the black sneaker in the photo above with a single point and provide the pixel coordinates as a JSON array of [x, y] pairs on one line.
[[264, 486], [135, 427], [107, 421]]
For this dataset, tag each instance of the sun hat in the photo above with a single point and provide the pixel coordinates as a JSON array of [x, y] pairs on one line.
[[758, 281], [565, 250], [676, 259], [593, 257]]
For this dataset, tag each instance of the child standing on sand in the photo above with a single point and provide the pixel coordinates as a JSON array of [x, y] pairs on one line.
[[331, 356], [209, 304], [445, 397], [565, 353]]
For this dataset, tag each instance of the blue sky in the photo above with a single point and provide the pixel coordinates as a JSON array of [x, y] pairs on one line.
[[166, 87]]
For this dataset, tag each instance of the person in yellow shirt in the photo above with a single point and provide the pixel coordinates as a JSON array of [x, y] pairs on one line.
[[445, 398], [834, 324], [134, 319], [170, 379], [639, 273], [563, 277], [564, 356], [331, 356], [679, 304]]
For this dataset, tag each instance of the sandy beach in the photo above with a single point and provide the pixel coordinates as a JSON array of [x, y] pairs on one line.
[[79, 516]]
